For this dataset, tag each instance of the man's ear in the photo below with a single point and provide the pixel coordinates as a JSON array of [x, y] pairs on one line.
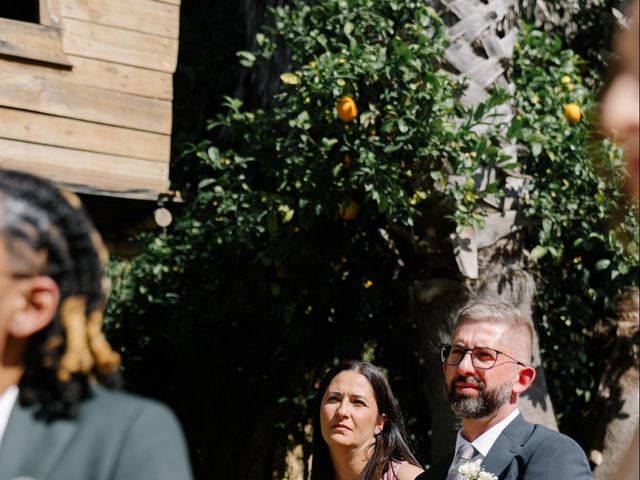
[[41, 297], [525, 378]]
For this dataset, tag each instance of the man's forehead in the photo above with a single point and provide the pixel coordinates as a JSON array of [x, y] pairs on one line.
[[480, 332]]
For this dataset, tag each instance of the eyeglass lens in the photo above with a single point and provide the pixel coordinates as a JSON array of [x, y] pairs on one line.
[[481, 357]]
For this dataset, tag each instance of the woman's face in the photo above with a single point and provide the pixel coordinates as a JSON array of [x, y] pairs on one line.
[[621, 105], [349, 416]]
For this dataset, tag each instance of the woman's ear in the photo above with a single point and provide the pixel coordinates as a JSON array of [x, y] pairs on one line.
[[382, 419], [41, 297]]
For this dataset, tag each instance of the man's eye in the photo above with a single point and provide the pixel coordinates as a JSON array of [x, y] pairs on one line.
[[484, 355], [457, 351]]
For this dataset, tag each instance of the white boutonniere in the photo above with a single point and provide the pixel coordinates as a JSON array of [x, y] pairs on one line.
[[471, 470]]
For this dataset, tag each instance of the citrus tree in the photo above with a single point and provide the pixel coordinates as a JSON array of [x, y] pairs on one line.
[[317, 223]]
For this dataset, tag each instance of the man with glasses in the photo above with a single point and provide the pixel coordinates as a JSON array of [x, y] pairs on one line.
[[486, 367]]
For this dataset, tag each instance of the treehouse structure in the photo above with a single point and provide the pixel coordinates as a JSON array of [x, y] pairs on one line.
[[86, 90]]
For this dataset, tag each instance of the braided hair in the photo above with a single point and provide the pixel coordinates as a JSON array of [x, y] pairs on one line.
[[60, 360]]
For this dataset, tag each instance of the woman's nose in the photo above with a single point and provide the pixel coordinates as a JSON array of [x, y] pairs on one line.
[[343, 408]]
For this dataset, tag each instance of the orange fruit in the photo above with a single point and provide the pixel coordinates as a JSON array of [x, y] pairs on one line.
[[347, 109], [572, 113], [348, 211]]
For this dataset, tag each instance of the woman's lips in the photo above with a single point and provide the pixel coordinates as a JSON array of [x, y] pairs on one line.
[[341, 426]]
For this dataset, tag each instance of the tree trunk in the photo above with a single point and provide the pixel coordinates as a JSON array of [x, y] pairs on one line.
[[616, 415]]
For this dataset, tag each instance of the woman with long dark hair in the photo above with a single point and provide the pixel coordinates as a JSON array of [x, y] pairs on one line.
[[358, 430]]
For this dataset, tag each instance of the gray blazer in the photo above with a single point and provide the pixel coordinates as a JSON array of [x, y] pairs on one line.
[[115, 436], [526, 451]]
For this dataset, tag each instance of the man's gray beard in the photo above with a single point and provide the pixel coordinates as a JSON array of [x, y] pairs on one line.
[[488, 402]]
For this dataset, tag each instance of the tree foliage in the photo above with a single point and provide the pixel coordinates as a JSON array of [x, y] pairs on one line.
[[285, 259], [585, 234]]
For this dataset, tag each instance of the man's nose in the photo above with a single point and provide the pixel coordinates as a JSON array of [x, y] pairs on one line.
[[466, 364]]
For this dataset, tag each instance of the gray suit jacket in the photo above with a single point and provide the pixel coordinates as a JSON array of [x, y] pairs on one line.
[[525, 451], [115, 436]]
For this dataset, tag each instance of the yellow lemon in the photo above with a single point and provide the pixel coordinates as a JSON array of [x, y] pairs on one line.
[[572, 113], [347, 109], [349, 211]]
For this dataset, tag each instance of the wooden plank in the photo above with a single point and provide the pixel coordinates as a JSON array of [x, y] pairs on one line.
[[100, 74], [460, 55], [472, 26], [146, 16], [461, 8], [486, 72], [120, 46], [56, 97], [106, 173], [172, 2], [79, 135], [50, 13], [35, 42]]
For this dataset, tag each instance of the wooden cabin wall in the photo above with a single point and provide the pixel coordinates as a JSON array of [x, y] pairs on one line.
[[104, 125]]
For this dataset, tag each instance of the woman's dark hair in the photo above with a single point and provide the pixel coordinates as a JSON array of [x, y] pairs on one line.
[[392, 443], [37, 218]]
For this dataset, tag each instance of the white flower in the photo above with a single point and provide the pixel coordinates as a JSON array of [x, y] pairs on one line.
[[471, 470], [482, 475]]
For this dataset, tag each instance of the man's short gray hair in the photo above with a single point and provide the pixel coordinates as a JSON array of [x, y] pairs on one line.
[[500, 313]]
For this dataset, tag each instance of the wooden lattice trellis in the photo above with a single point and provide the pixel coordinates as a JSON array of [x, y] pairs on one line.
[[481, 41]]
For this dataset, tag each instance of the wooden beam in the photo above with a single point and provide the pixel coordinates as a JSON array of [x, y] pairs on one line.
[[50, 13], [100, 74], [146, 16], [56, 97], [120, 46], [80, 135], [172, 2], [34, 42], [82, 171]]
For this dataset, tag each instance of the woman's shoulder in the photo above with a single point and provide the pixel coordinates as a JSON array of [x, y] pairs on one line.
[[403, 470]]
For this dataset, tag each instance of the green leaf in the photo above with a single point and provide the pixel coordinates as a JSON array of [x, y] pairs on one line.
[[247, 59], [538, 252], [214, 154], [602, 264], [536, 149], [290, 78]]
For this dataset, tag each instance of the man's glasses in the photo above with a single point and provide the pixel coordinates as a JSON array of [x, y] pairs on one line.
[[481, 357]]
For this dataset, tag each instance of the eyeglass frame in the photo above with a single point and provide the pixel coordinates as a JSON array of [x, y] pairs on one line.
[[473, 362]]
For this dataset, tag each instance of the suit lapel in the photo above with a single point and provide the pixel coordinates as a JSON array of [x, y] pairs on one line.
[[32, 447], [507, 446]]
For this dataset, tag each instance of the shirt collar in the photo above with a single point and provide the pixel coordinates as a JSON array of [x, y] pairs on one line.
[[485, 441], [7, 401]]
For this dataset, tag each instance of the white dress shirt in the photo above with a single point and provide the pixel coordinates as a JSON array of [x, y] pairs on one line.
[[484, 442], [7, 401]]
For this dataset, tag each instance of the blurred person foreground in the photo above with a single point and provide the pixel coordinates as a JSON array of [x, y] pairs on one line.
[[56, 421]]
